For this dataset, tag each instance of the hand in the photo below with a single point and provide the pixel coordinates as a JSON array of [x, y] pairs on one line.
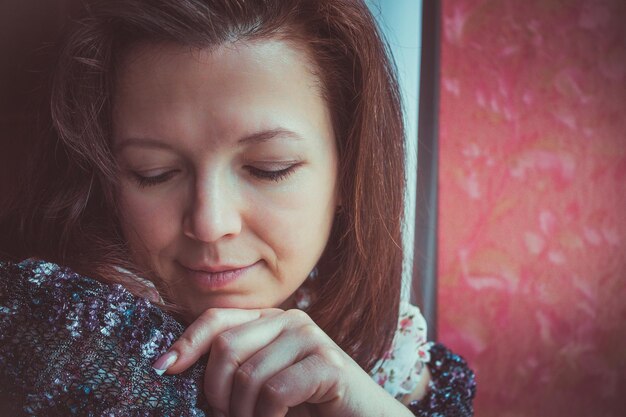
[[268, 361]]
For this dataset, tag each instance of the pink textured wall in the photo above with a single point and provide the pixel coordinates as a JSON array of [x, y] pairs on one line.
[[533, 203]]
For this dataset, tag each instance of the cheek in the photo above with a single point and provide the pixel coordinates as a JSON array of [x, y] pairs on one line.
[[298, 224], [146, 222]]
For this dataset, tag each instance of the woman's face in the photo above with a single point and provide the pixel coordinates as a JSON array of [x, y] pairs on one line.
[[229, 170]]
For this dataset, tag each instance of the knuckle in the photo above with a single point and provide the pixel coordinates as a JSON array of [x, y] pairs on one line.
[[212, 314], [297, 316], [221, 343], [273, 392], [222, 346], [245, 375], [187, 343], [193, 337], [332, 357], [309, 331]]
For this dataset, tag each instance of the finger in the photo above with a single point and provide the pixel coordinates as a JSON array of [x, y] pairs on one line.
[[232, 348], [315, 379], [302, 410], [289, 347], [217, 413], [196, 339]]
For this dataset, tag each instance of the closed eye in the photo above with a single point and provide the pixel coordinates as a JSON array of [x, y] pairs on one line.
[[275, 175], [150, 181]]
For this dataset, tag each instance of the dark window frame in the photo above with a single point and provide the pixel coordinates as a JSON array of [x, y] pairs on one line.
[[424, 280]]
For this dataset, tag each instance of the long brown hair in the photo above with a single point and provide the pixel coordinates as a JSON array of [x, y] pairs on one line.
[[71, 217]]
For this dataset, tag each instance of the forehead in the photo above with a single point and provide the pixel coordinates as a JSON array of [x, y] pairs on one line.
[[148, 66], [234, 84]]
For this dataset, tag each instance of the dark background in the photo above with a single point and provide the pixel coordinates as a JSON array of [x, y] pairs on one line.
[[29, 33]]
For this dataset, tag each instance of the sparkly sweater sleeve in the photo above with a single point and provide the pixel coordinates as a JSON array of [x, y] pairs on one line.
[[451, 389], [70, 345]]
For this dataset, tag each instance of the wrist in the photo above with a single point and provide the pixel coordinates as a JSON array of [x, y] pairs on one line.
[[384, 406], [373, 400]]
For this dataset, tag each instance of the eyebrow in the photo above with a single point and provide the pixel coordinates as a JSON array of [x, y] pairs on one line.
[[265, 135], [141, 142], [258, 137]]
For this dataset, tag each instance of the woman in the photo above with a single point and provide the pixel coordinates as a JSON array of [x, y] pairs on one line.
[[232, 184]]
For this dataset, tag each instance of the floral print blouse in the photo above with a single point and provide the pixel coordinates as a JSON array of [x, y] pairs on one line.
[[401, 369], [70, 345]]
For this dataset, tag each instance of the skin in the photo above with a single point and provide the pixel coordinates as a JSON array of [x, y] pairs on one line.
[[189, 115], [189, 121]]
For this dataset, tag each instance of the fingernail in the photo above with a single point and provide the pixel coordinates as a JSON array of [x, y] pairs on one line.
[[164, 362]]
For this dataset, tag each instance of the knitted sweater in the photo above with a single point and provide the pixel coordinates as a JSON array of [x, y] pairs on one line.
[[70, 345]]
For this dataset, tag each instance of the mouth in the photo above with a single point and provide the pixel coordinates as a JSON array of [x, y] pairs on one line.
[[213, 277]]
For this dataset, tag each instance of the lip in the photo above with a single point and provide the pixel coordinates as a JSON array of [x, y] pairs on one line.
[[215, 268], [213, 277]]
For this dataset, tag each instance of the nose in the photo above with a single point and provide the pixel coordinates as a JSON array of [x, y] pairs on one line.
[[213, 212]]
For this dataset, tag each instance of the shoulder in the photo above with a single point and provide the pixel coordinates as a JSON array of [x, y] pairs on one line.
[[36, 292], [71, 344]]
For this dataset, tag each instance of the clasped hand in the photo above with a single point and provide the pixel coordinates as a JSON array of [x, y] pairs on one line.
[[276, 363]]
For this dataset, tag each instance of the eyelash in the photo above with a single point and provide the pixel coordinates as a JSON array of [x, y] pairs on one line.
[[155, 180], [271, 175], [275, 176]]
